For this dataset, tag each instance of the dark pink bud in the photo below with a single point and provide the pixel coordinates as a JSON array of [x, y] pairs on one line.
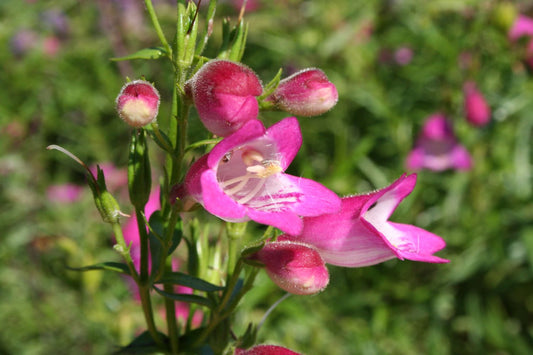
[[224, 94], [265, 350], [477, 110], [138, 103], [295, 267], [306, 93]]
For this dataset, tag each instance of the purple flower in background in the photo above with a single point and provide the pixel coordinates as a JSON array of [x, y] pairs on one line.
[[477, 111], [403, 56], [23, 41], [522, 26], [361, 235], [437, 148], [295, 267], [64, 193], [243, 178]]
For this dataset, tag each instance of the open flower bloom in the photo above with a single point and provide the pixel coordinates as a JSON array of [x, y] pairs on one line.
[[295, 267], [477, 110], [243, 178], [361, 235], [437, 148], [224, 93], [265, 350]]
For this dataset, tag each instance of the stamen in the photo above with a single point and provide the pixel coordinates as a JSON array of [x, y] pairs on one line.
[[246, 198]]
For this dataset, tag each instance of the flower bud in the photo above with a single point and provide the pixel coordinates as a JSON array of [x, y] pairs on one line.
[[266, 350], [224, 93], [477, 110], [295, 267], [306, 93], [138, 103]]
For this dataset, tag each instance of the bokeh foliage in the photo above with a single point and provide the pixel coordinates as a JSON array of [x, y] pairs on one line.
[[479, 303]]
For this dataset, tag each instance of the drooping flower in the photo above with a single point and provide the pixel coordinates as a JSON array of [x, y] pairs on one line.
[[265, 350], [305, 93], [477, 111], [360, 234], [437, 148], [295, 267], [138, 103], [243, 178], [224, 94]]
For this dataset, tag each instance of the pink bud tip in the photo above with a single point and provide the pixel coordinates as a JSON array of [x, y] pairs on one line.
[[138, 103], [306, 93], [265, 350], [477, 111]]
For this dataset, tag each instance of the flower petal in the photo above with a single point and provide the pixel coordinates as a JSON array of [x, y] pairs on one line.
[[217, 202], [288, 137], [419, 244], [287, 221], [315, 199]]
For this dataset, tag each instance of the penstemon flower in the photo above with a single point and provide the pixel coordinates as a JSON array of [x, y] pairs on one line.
[[361, 235], [243, 178], [437, 148]]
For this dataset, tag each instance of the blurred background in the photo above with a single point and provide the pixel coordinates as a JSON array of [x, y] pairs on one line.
[[395, 63]]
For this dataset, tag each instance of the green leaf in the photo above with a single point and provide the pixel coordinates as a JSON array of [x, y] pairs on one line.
[[143, 344], [111, 266], [179, 278], [184, 297], [146, 53]]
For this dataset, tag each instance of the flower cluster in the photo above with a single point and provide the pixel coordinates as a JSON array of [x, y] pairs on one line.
[[243, 178]]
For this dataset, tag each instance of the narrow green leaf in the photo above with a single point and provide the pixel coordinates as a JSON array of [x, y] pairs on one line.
[[111, 266], [146, 53], [184, 297], [179, 278]]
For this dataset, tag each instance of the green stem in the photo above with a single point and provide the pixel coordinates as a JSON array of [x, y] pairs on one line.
[[157, 27], [124, 250], [170, 310]]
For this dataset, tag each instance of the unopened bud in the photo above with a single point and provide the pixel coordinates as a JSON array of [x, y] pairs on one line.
[[138, 103], [295, 267], [265, 350], [306, 93], [477, 111], [224, 93]]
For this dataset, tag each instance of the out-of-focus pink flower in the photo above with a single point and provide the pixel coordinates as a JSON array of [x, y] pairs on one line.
[[265, 350], [224, 93], [305, 93], [243, 178], [403, 55], [295, 267], [522, 26], [138, 103], [477, 111], [64, 193], [437, 148], [361, 234], [51, 45], [251, 5]]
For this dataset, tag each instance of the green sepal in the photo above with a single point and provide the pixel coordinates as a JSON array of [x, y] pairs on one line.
[[139, 171], [111, 266], [145, 53], [179, 278], [184, 297], [143, 344], [233, 40], [248, 339], [271, 86], [211, 9], [186, 32], [106, 204]]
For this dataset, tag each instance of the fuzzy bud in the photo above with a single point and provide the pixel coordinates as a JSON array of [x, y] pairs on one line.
[[138, 103], [477, 110], [265, 350], [224, 93], [295, 267], [306, 93]]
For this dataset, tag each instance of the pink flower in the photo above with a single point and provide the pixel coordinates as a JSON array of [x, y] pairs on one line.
[[361, 235], [305, 93], [138, 103], [295, 267], [403, 55], [437, 148], [477, 110], [65, 193], [265, 350], [224, 94], [522, 26], [243, 178]]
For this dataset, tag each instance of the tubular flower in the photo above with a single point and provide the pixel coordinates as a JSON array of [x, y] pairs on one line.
[[295, 267], [437, 148], [477, 110], [361, 235], [138, 103], [224, 94], [243, 178], [305, 93], [265, 350]]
